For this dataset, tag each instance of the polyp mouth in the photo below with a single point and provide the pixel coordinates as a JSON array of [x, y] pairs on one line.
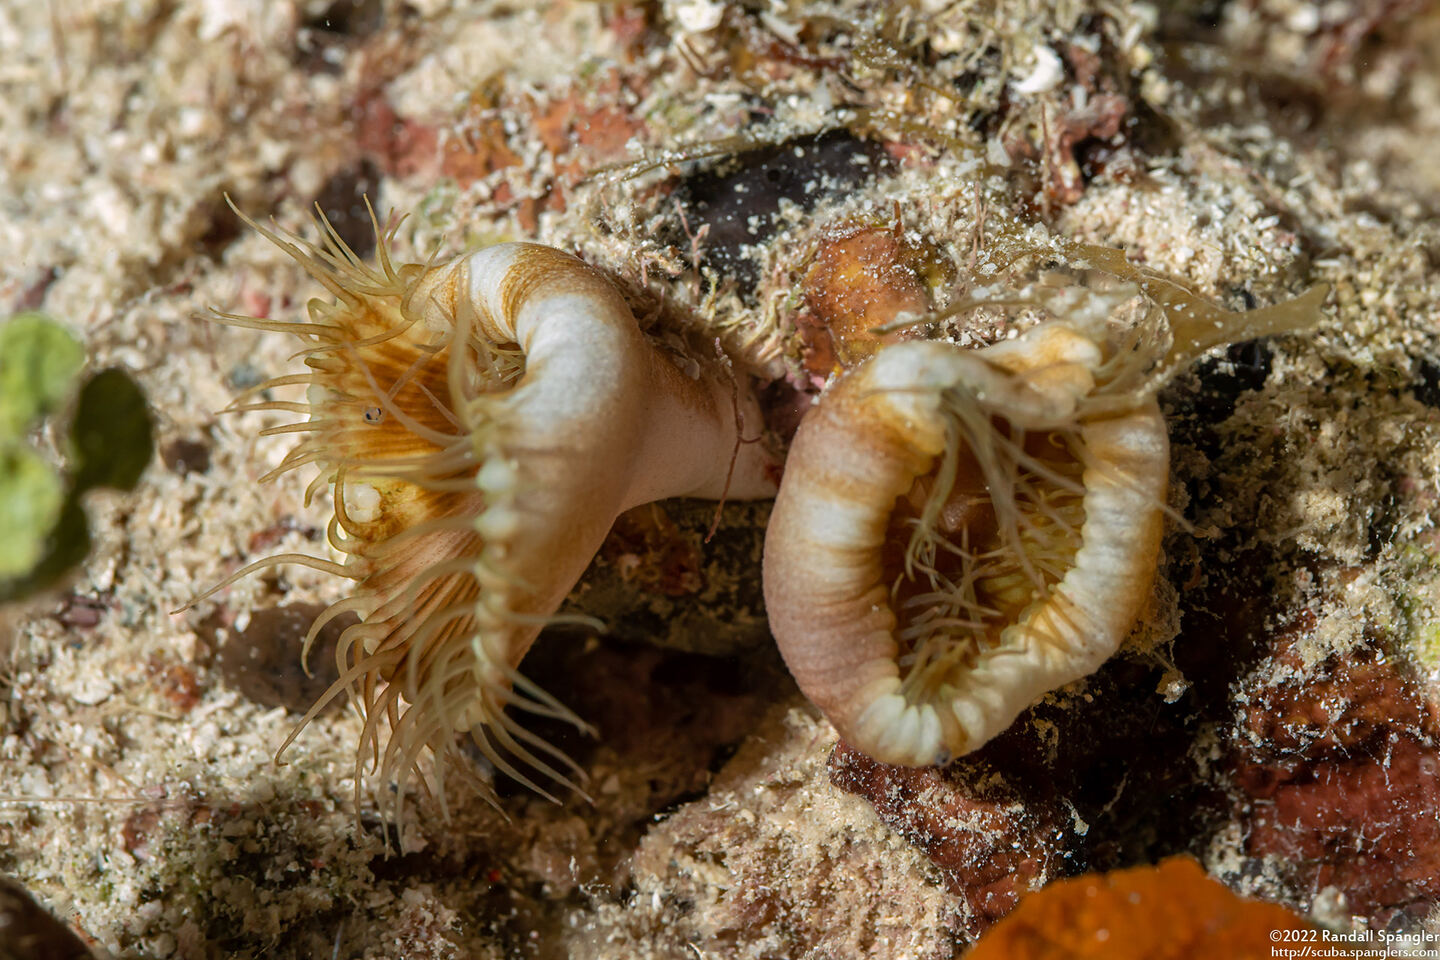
[[977, 541]]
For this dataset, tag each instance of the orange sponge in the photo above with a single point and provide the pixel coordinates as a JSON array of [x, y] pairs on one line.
[[1172, 911]]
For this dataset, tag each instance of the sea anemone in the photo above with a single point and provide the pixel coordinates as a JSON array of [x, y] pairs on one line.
[[960, 531], [483, 422]]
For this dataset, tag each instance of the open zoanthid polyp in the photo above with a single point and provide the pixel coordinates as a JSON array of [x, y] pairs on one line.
[[483, 422], [961, 531]]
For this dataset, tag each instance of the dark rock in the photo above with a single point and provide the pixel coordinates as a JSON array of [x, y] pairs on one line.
[[1427, 382], [740, 198], [263, 660], [1206, 394], [29, 932], [342, 201], [657, 580], [184, 456]]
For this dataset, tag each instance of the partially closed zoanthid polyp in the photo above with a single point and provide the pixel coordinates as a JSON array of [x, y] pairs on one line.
[[960, 531], [1033, 559]]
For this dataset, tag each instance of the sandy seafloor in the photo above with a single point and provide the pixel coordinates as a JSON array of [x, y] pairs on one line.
[[1289, 661]]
